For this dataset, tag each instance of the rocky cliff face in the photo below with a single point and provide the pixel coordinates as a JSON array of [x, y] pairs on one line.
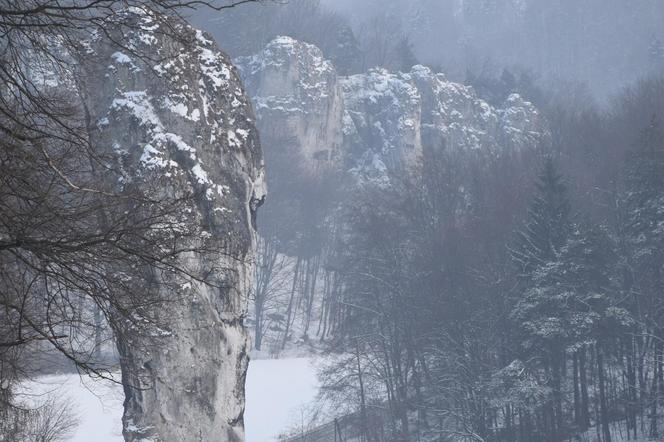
[[178, 122], [378, 121], [298, 99]]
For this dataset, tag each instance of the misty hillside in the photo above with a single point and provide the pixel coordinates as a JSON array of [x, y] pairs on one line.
[[601, 44], [331, 220]]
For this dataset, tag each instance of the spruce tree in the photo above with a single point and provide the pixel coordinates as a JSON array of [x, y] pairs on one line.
[[540, 312], [548, 225]]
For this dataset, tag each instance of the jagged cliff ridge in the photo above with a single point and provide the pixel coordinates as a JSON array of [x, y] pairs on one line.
[[178, 122], [380, 120]]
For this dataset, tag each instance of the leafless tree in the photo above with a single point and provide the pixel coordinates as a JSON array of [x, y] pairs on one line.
[[51, 421]]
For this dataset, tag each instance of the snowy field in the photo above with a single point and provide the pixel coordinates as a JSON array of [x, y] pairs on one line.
[[278, 393]]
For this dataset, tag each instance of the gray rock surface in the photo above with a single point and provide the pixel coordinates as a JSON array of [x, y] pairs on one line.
[[178, 122], [381, 120], [298, 101]]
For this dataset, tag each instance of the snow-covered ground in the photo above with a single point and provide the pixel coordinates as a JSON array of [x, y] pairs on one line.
[[278, 393]]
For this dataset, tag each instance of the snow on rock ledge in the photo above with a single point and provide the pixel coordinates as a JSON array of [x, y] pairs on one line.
[[178, 122]]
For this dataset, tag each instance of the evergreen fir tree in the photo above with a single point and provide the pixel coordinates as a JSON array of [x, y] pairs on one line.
[[548, 226], [564, 295], [539, 312]]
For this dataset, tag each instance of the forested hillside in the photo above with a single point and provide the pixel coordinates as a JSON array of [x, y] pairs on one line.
[[474, 284]]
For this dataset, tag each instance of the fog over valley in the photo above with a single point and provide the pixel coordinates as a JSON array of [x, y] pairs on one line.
[[332, 220]]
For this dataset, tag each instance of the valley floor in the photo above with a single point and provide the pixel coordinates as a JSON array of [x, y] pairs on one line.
[[279, 393]]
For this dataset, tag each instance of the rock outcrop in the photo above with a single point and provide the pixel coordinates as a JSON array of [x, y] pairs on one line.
[[177, 122], [377, 121]]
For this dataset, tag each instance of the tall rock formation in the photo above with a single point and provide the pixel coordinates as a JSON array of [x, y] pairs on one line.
[[177, 122]]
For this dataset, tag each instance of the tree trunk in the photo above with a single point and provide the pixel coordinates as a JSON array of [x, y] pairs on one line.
[[98, 333], [604, 417], [577, 398], [654, 394], [631, 389], [363, 404], [557, 409], [583, 378], [289, 311]]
